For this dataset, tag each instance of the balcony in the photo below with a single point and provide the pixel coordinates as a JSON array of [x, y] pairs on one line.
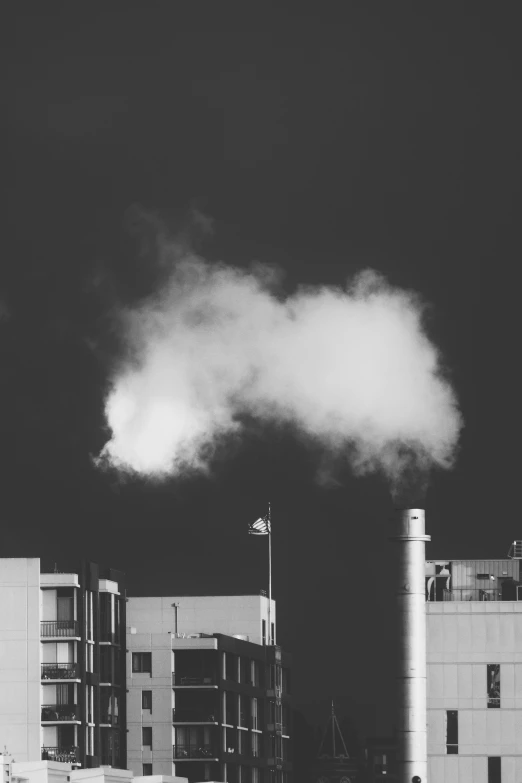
[[194, 752], [480, 594], [59, 713], [198, 681], [67, 755], [53, 629], [472, 594], [108, 719], [109, 637], [194, 716], [60, 671]]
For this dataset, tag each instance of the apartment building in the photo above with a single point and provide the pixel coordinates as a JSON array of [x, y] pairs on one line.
[[474, 669], [63, 772], [62, 670], [208, 698]]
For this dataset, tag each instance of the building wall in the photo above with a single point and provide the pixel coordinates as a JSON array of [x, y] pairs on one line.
[[20, 657], [463, 637], [41, 772], [159, 681], [228, 615]]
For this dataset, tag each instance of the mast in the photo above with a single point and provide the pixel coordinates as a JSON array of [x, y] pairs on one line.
[[269, 573], [333, 729]]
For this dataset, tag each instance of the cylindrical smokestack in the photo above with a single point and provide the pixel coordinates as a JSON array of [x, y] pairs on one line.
[[411, 720]]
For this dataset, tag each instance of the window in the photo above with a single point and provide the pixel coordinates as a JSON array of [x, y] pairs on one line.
[[255, 744], [241, 713], [285, 680], [285, 719], [272, 633], [230, 740], [254, 673], [146, 700], [264, 631], [494, 769], [255, 774], [254, 714], [483, 576], [244, 670], [142, 662], [452, 732], [231, 667], [493, 684], [146, 736], [147, 769], [228, 708]]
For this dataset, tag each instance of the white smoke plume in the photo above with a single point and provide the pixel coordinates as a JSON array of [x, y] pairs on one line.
[[350, 369]]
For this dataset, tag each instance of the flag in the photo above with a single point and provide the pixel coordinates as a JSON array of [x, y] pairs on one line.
[[261, 527]]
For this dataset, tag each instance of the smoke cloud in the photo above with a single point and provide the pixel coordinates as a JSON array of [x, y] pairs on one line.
[[349, 369]]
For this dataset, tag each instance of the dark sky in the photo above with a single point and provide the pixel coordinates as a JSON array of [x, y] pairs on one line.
[[381, 134]]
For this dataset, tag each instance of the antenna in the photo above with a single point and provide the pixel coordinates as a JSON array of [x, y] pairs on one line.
[[333, 722]]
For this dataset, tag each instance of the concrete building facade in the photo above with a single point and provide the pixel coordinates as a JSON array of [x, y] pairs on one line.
[[210, 700], [62, 673], [474, 671], [63, 772], [20, 712]]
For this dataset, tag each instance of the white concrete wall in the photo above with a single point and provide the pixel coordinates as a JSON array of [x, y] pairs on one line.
[[20, 712], [159, 779], [101, 775], [462, 638], [160, 719], [229, 615], [42, 771]]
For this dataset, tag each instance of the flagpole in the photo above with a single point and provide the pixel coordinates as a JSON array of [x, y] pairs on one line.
[[269, 573]]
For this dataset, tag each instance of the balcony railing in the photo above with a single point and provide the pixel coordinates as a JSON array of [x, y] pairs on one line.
[[65, 628], [67, 755], [472, 594], [194, 716], [191, 680], [109, 636], [60, 712], [60, 671], [194, 751], [109, 719]]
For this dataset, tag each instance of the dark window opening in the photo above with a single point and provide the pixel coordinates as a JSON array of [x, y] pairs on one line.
[[493, 684], [494, 769], [146, 700], [146, 736], [142, 662], [483, 576], [264, 631], [452, 732], [231, 670], [147, 769]]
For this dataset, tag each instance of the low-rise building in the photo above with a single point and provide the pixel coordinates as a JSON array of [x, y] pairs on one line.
[[474, 669], [63, 772], [211, 702]]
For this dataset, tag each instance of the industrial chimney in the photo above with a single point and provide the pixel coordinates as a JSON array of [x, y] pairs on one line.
[[412, 755]]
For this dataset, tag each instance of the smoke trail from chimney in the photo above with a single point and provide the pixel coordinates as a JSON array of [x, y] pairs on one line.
[[351, 369]]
